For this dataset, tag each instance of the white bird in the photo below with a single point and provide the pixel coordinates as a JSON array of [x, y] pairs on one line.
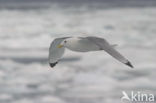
[[82, 44]]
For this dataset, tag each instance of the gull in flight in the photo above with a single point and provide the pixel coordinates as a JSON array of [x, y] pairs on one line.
[[82, 44]]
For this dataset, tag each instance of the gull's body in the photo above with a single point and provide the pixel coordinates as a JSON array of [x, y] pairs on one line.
[[82, 44]]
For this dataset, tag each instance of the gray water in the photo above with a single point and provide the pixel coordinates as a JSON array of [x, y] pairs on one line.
[[27, 29]]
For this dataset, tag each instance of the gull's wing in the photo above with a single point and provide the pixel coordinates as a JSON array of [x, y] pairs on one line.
[[104, 45], [55, 53]]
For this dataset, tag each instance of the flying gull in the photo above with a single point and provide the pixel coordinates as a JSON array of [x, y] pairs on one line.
[[82, 44]]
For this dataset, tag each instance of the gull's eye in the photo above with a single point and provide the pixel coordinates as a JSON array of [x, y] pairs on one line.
[[65, 41]]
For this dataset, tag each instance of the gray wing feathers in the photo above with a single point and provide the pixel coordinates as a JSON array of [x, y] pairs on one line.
[[108, 48], [56, 53]]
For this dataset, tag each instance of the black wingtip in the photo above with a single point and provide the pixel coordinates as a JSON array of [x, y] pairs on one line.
[[52, 64], [129, 64]]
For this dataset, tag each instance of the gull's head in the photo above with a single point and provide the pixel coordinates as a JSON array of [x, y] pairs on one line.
[[63, 43]]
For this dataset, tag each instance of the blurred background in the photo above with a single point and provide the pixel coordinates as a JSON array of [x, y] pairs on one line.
[[27, 27]]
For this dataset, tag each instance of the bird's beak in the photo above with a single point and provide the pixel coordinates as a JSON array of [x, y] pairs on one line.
[[59, 46]]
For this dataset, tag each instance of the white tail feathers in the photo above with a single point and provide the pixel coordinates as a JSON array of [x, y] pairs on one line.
[[114, 45]]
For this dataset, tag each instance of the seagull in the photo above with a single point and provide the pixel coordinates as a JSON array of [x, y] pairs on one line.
[[82, 44]]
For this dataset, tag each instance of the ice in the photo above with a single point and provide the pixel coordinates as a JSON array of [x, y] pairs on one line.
[[94, 77]]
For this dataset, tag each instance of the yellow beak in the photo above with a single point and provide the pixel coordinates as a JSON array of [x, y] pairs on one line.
[[59, 46]]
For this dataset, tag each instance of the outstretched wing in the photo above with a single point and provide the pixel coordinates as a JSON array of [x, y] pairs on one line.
[[55, 53], [103, 44]]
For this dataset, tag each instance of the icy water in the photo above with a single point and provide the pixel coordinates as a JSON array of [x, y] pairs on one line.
[[26, 31]]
